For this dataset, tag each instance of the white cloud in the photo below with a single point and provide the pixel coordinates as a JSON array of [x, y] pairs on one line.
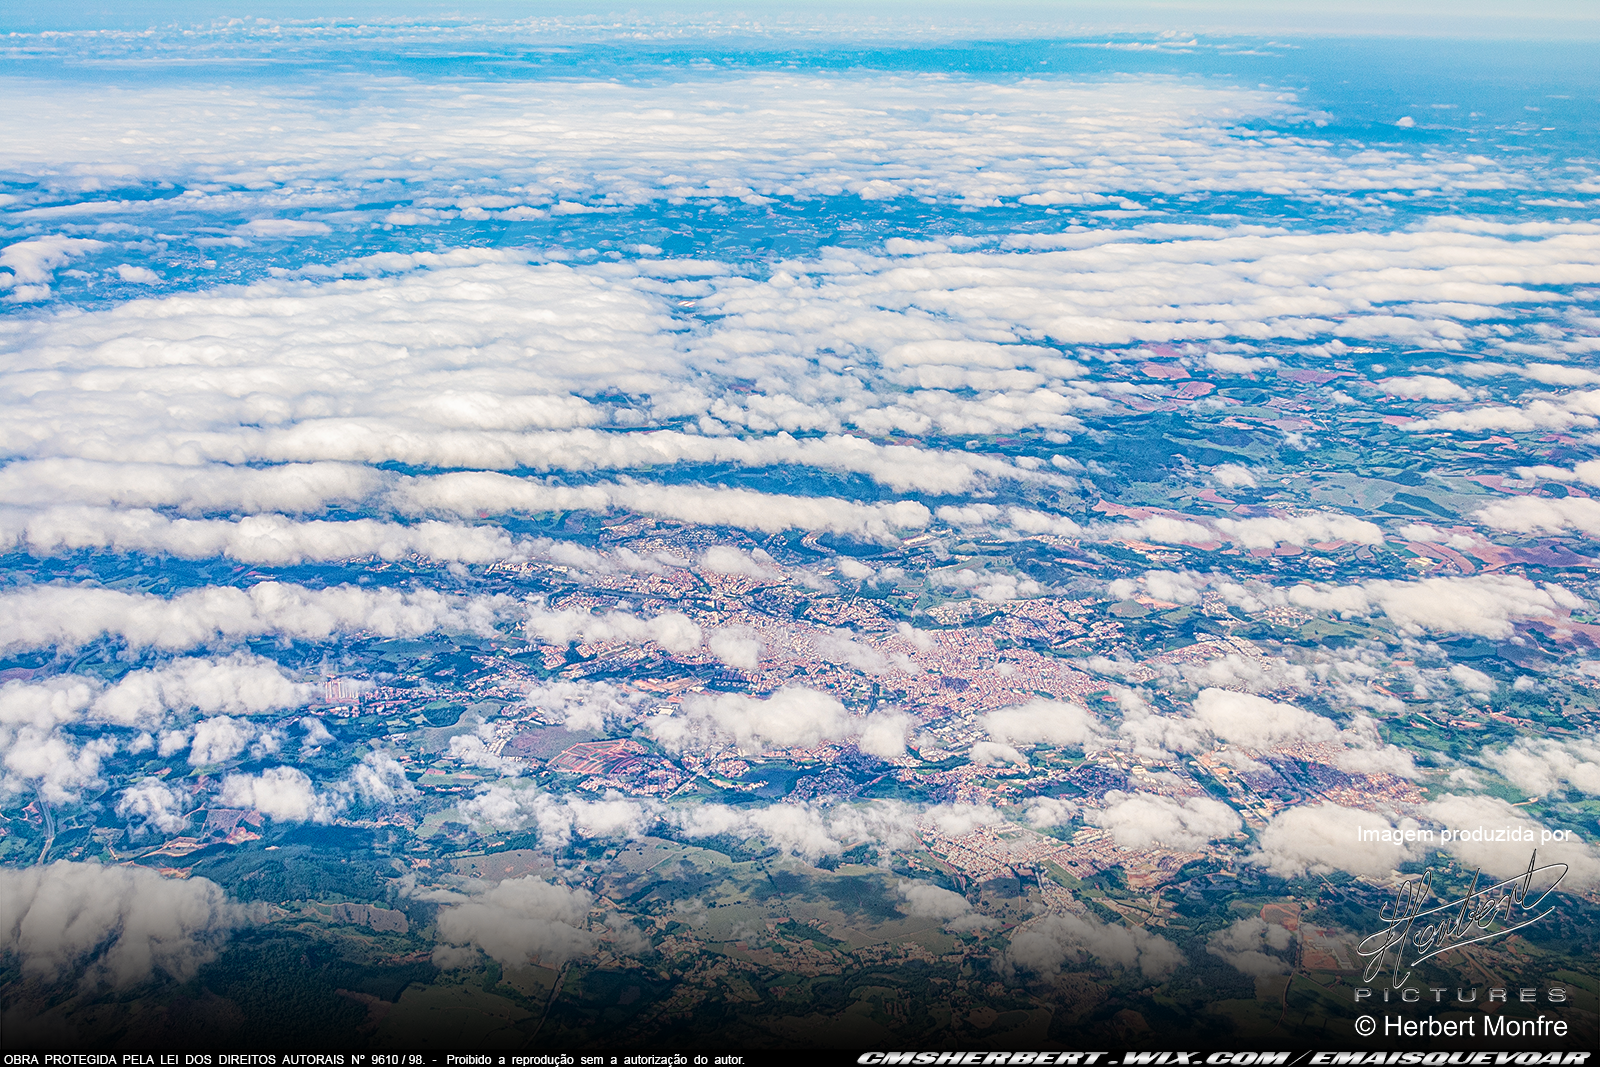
[[1233, 476], [241, 684], [735, 646], [1256, 722], [1472, 680], [152, 802], [1246, 944], [884, 733], [725, 559], [1046, 812], [379, 778], [1044, 945], [71, 616], [1489, 834], [1423, 387], [1262, 532], [1232, 363], [471, 493], [953, 820], [270, 539], [518, 921], [148, 699], [51, 763], [990, 753], [192, 489], [1577, 409], [218, 740], [562, 148], [790, 717], [925, 901], [839, 646], [122, 924], [584, 705], [1319, 838], [673, 630], [1487, 605], [1529, 514], [471, 750], [137, 275], [802, 830], [30, 264], [284, 794], [1049, 722], [1144, 820], [1542, 765]]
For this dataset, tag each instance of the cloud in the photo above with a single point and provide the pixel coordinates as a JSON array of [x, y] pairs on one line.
[[1576, 409], [1049, 722], [1233, 476], [1487, 605], [1423, 387], [190, 489], [1265, 532], [30, 264], [150, 802], [802, 830], [1256, 722], [378, 778], [317, 735], [270, 539], [1474, 681], [1540, 766], [1160, 736], [1319, 838], [884, 733], [137, 275], [517, 922], [1491, 835], [284, 794], [1046, 812], [953, 820], [725, 559], [555, 148], [150, 698], [791, 717], [925, 901], [1145, 820], [1232, 363], [735, 646], [996, 587], [1298, 530], [1044, 945], [1249, 946], [477, 492], [71, 616], [584, 705], [51, 763], [241, 684], [840, 646], [1529, 514], [472, 750], [120, 924], [1237, 671], [218, 740], [334, 476], [558, 819], [673, 630]]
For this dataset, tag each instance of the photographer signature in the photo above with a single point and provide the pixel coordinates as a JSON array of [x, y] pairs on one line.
[[1482, 914]]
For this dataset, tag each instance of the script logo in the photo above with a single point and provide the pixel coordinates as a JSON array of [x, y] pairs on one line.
[[1482, 914]]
